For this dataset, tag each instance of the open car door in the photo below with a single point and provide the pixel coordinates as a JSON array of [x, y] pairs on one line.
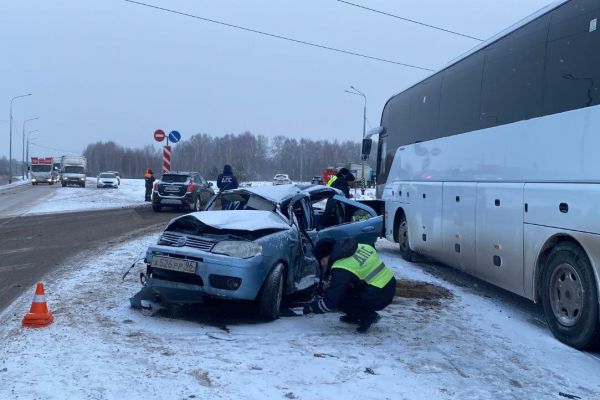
[[345, 218]]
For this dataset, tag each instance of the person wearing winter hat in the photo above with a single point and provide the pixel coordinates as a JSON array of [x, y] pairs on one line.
[[359, 283]]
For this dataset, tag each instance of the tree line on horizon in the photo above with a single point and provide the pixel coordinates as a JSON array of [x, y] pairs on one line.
[[253, 157]]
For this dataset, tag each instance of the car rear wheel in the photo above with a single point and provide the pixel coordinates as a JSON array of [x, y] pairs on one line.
[[271, 295], [402, 235], [156, 207], [570, 297]]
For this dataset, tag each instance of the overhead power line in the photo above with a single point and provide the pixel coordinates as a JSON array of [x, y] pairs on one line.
[[408, 20], [272, 35], [53, 148]]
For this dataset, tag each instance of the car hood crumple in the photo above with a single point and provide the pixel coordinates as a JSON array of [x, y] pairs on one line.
[[242, 220]]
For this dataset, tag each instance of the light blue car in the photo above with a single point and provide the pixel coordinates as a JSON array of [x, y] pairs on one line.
[[251, 244]]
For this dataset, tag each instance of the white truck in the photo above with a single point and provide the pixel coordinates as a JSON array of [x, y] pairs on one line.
[[41, 170], [73, 170]]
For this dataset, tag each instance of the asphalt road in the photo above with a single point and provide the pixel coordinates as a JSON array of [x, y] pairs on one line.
[[17, 199], [32, 246]]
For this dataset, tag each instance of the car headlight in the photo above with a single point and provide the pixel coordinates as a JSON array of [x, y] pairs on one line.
[[237, 249]]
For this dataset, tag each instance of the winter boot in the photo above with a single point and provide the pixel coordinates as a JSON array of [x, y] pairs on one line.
[[365, 324], [349, 319]]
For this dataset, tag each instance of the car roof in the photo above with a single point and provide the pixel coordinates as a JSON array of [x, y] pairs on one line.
[[181, 173], [281, 193]]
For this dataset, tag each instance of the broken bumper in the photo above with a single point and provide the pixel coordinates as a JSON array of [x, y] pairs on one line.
[[223, 277]]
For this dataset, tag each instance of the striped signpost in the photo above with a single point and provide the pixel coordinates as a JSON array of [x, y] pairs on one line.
[[166, 159], [174, 136]]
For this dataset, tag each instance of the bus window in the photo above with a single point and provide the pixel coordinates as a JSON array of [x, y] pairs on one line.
[[573, 66]]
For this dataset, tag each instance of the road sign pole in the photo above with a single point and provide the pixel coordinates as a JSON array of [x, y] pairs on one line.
[[166, 159]]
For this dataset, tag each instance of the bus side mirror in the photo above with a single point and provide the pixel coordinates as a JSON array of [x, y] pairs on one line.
[[366, 148]]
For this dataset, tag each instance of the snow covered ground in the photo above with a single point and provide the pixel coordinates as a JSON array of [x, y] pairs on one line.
[[458, 346], [66, 199]]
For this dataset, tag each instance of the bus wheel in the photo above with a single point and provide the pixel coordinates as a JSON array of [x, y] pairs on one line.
[[402, 235], [570, 297]]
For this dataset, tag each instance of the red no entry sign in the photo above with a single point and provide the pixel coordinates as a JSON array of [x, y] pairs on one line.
[[159, 135]]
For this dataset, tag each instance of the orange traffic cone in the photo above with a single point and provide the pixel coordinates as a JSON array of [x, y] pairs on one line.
[[38, 316]]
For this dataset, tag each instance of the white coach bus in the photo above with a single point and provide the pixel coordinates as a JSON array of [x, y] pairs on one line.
[[492, 165]]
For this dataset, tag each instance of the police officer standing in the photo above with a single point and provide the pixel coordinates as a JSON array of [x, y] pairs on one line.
[[359, 282], [226, 181], [149, 182]]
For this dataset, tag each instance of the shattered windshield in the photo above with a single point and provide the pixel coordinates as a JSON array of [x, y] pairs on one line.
[[240, 201]]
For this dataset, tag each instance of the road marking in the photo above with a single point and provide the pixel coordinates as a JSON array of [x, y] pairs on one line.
[[15, 267]]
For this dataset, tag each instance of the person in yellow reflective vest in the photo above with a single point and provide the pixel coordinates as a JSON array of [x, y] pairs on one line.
[[342, 173], [359, 284]]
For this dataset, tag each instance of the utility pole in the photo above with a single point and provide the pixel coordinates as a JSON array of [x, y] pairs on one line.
[[10, 137]]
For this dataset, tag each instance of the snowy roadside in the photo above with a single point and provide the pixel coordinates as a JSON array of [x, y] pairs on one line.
[[465, 346], [14, 184], [68, 199]]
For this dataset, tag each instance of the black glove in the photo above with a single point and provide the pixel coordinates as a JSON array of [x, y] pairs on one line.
[[312, 307]]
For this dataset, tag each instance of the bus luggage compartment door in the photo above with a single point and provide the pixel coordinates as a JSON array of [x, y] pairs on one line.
[[499, 235], [426, 227], [458, 224]]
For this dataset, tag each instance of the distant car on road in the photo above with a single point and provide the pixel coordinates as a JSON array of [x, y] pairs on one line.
[[181, 189], [316, 180], [117, 175], [259, 248], [107, 180], [281, 179]]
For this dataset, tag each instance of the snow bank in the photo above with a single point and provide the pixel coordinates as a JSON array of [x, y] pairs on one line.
[[99, 348], [67, 199]]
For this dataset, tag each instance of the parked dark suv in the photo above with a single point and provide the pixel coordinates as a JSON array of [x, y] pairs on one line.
[[181, 189]]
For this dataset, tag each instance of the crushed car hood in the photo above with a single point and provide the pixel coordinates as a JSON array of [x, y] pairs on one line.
[[242, 220]]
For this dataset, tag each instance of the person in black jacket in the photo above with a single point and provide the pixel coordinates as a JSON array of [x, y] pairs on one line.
[[343, 183], [226, 181], [359, 282]]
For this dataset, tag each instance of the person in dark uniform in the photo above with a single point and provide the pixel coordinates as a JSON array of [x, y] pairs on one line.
[[359, 282], [343, 183], [226, 181], [149, 181]]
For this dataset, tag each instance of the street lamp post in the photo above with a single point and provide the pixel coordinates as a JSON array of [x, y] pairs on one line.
[[10, 136], [28, 133], [359, 93], [23, 149]]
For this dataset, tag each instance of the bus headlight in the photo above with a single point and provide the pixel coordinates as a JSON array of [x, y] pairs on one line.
[[238, 249]]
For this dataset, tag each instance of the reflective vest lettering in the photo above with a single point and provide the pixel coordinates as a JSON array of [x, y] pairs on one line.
[[367, 266]]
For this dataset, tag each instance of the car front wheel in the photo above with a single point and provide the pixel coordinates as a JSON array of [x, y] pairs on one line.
[[271, 295], [570, 297]]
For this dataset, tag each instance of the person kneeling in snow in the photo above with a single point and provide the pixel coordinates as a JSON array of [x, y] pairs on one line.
[[359, 282]]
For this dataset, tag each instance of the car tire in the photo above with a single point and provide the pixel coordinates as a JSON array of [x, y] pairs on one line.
[[271, 295], [156, 207], [63, 184], [403, 241], [570, 297]]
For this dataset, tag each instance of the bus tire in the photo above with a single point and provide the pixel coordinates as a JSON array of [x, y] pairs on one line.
[[403, 241], [570, 297]]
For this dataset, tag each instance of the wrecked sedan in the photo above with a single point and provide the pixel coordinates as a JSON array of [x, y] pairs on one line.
[[251, 244]]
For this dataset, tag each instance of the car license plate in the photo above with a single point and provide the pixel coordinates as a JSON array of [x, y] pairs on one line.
[[174, 264], [171, 188]]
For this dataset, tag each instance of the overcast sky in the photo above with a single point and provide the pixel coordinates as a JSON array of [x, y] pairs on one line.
[[110, 70]]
